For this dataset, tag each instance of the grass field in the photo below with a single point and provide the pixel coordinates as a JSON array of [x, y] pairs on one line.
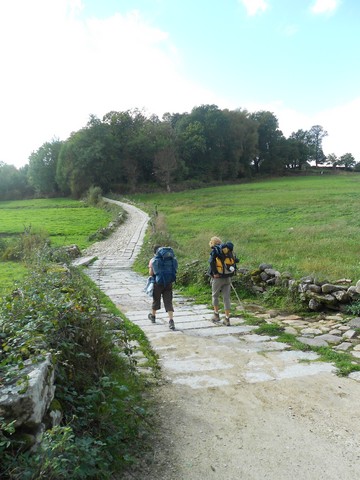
[[65, 221], [306, 225]]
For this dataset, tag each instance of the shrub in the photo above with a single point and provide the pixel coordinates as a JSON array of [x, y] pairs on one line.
[[94, 196], [23, 247], [58, 310], [354, 308]]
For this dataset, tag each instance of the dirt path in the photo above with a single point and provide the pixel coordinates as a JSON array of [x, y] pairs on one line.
[[232, 405]]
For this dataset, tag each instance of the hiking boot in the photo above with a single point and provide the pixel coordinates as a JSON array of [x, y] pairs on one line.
[[226, 321], [215, 318], [151, 317], [171, 325]]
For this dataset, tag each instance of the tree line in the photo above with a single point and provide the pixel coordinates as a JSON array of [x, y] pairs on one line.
[[127, 151]]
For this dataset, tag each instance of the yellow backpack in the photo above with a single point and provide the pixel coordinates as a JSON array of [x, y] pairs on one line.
[[225, 259]]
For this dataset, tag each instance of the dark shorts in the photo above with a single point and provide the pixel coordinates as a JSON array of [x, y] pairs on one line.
[[166, 293]]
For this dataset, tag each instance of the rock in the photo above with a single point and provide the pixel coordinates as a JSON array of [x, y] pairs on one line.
[[314, 305], [291, 330], [29, 407], [344, 346], [349, 334], [357, 287], [335, 331], [343, 280], [327, 300], [272, 272], [264, 276], [330, 287], [310, 331], [354, 323], [313, 342], [73, 251], [83, 261], [333, 339], [264, 266], [341, 296], [307, 280], [355, 376], [353, 293], [314, 288]]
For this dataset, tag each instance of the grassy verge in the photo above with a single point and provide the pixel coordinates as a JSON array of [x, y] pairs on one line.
[[98, 388], [344, 362], [60, 222], [64, 221]]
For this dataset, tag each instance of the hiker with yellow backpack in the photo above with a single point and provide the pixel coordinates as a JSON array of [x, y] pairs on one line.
[[222, 266]]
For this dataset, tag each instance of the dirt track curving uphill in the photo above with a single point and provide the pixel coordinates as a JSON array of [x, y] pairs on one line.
[[233, 405]]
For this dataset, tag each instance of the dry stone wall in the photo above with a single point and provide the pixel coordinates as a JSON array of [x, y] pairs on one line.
[[316, 294]]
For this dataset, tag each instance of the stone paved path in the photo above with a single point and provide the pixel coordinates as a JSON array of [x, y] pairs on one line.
[[112, 273], [235, 405]]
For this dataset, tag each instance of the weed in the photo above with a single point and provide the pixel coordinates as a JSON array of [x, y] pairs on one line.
[[271, 329], [354, 308], [100, 392]]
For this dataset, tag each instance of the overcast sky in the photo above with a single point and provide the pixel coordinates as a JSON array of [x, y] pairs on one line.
[[62, 60]]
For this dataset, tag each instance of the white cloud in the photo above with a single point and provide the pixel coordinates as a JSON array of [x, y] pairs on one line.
[[58, 68], [255, 6], [324, 6], [339, 121], [341, 124]]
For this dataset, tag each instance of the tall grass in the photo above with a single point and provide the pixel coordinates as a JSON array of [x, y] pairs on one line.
[[305, 225]]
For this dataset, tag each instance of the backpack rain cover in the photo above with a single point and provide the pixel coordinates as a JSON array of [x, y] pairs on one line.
[[165, 266]]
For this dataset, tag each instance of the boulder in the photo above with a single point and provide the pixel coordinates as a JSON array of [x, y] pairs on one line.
[[28, 401]]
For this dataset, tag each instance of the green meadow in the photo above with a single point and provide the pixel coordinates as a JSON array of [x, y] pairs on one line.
[[303, 225], [306, 225], [65, 221]]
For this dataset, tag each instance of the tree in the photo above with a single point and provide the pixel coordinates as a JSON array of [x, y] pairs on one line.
[[166, 158], [315, 137], [132, 146], [42, 168], [241, 143], [300, 150], [208, 132], [333, 160], [13, 182], [268, 137], [84, 160], [348, 161]]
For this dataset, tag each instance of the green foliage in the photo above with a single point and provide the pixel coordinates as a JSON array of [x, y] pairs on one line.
[[343, 361], [58, 310], [271, 329], [354, 308], [24, 246], [10, 273], [283, 299], [93, 196]]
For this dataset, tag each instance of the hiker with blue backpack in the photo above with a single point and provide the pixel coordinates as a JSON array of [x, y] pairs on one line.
[[163, 268], [222, 266]]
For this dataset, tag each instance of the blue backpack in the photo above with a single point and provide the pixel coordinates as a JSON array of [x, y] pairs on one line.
[[165, 266]]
